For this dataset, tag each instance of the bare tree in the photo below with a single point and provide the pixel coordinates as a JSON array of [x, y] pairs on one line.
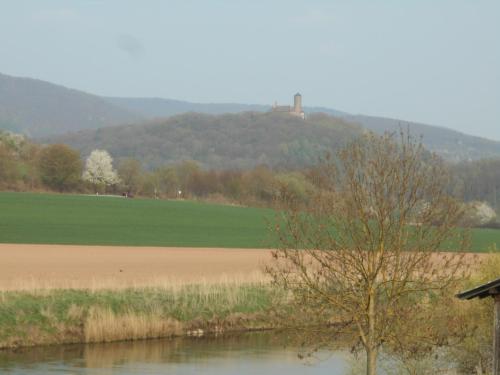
[[364, 250]]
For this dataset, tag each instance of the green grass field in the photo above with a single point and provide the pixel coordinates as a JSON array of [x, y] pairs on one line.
[[98, 220]]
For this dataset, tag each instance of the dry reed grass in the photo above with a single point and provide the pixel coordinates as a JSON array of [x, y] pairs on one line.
[[41, 285], [103, 325], [113, 312]]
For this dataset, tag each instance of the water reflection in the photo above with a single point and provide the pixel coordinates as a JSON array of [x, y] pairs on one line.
[[254, 353]]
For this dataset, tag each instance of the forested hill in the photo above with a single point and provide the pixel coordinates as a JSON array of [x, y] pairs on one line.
[[449, 144], [221, 141], [37, 108]]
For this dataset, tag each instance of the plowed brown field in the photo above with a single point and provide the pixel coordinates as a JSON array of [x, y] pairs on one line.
[[31, 267], [61, 266]]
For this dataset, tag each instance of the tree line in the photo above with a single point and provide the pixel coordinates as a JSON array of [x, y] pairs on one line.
[[27, 166], [478, 180]]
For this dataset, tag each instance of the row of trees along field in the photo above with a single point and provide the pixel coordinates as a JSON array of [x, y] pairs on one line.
[[478, 180], [27, 166]]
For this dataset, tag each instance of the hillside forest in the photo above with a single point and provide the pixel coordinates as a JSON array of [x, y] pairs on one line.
[[227, 141]]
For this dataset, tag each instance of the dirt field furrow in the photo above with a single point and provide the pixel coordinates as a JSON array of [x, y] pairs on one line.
[[62, 266]]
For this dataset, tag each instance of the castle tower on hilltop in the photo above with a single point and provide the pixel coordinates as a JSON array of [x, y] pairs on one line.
[[297, 103], [296, 110]]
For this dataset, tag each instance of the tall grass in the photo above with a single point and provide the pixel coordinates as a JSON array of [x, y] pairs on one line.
[[42, 284], [49, 316], [103, 325]]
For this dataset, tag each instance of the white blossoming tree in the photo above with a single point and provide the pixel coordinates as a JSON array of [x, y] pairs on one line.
[[99, 169], [478, 213]]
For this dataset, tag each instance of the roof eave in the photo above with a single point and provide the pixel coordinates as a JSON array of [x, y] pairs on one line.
[[486, 290]]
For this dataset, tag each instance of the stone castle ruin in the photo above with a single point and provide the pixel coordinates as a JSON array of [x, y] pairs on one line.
[[296, 110]]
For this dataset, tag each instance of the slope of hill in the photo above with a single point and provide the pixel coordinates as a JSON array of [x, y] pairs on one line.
[[450, 144], [158, 107], [37, 108], [221, 141]]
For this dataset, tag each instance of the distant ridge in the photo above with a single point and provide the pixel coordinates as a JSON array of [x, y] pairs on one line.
[[450, 144], [41, 109], [158, 107], [38, 108]]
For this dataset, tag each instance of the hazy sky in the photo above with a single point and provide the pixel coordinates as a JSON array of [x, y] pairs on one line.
[[433, 61]]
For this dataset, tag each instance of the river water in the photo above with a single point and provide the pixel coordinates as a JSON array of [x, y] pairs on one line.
[[252, 353]]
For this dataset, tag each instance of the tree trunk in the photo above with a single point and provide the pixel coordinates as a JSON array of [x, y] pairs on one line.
[[371, 349], [371, 361], [479, 368], [496, 337]]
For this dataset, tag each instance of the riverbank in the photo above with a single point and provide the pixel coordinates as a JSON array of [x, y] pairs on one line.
[[61, 316]]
